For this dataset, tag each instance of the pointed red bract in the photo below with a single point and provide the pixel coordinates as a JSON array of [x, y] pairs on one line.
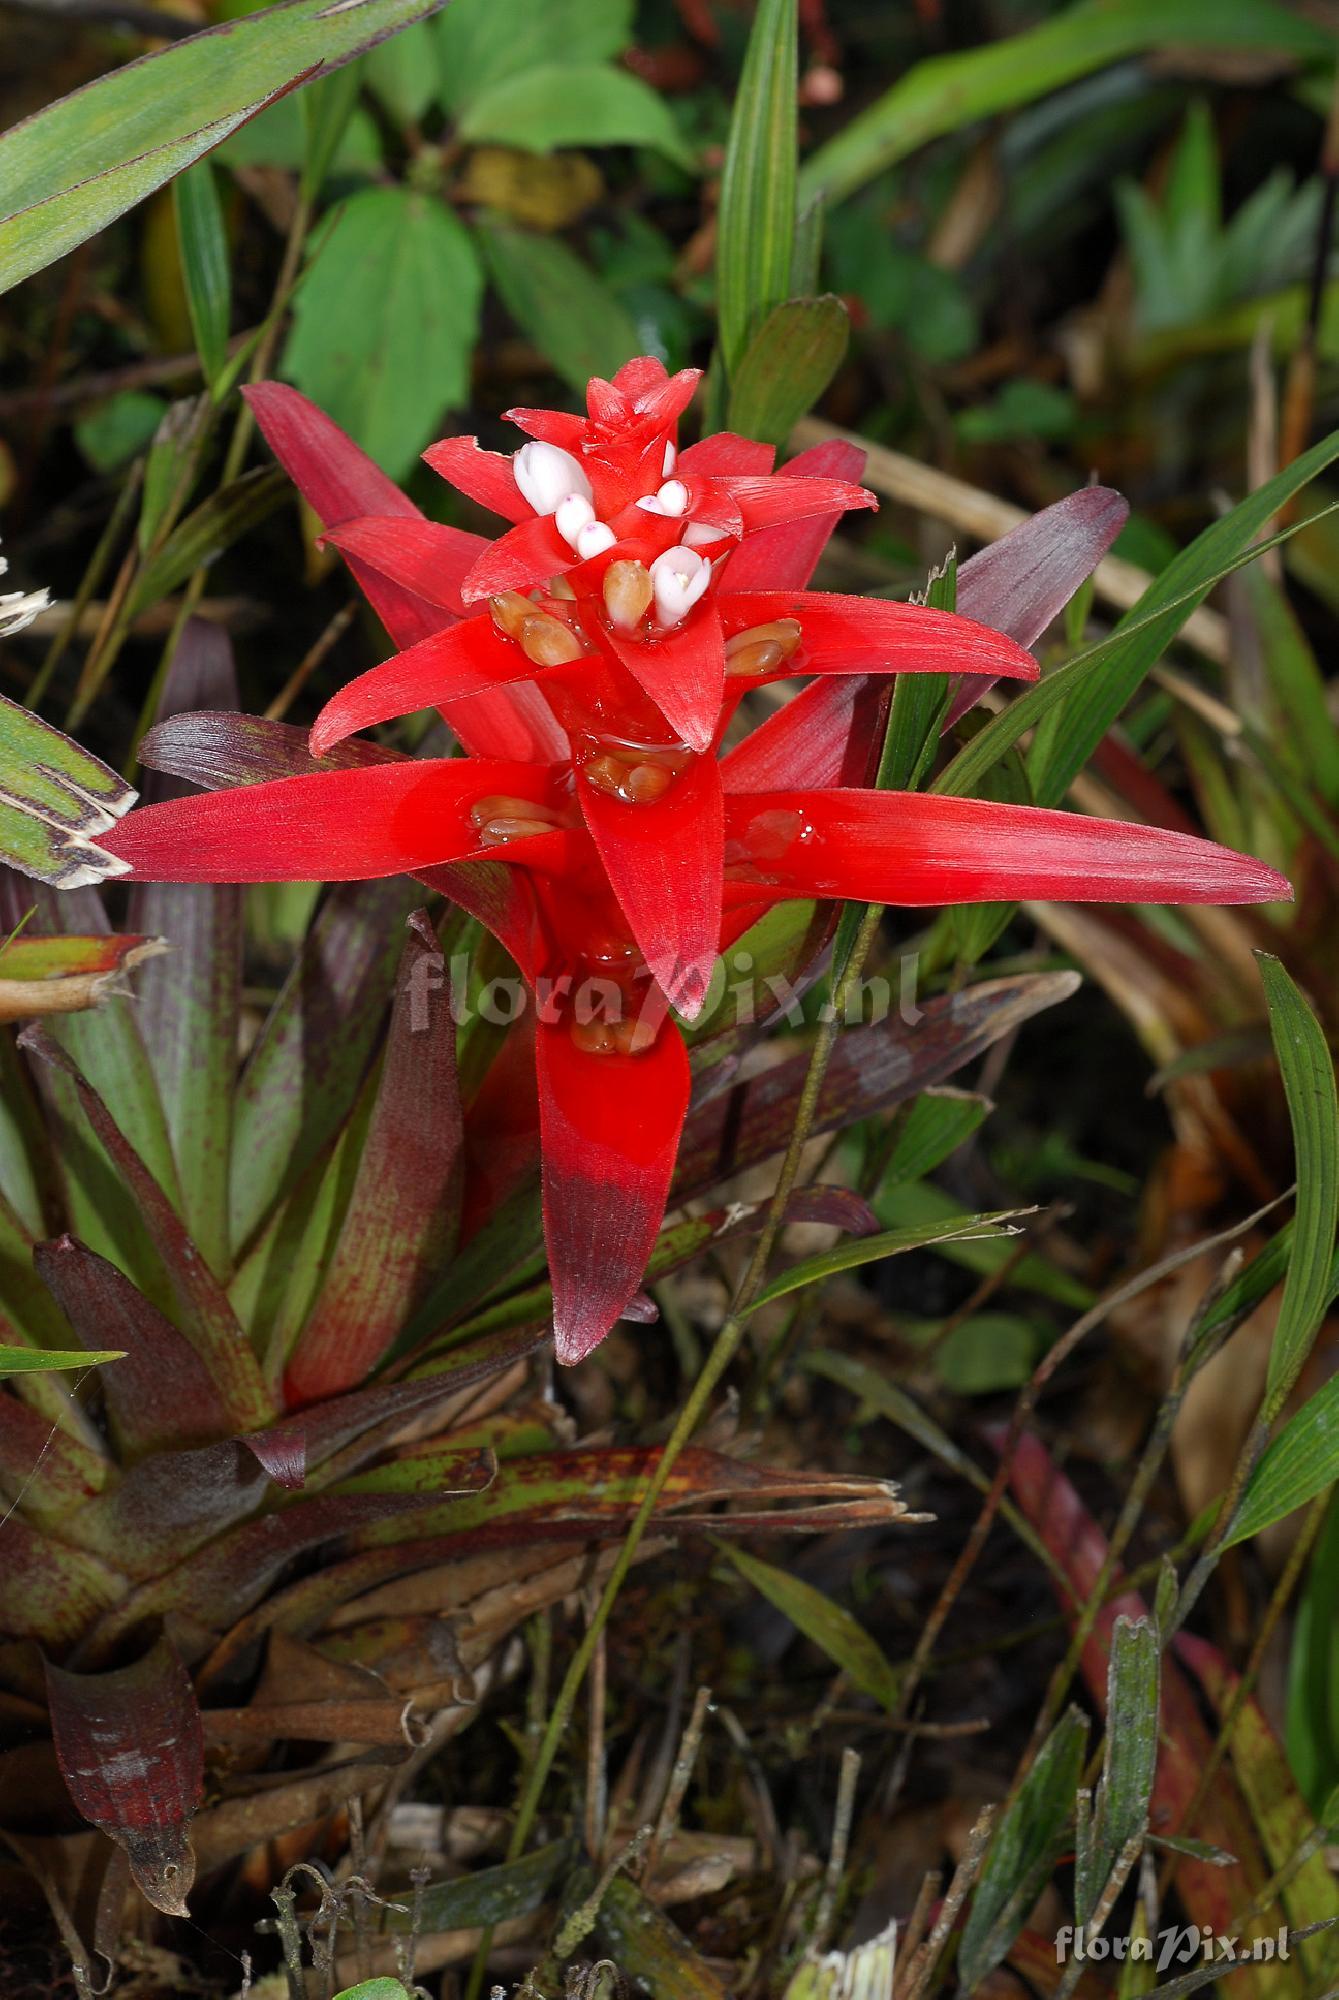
[[915, 848], [785, 557], [343, 826], [484, 476], [421, 556], [684, 674], [610, 1127], [664, 861], [852, 635], [444, 668]]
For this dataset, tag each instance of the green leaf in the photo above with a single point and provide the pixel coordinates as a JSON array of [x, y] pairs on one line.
[[936, 1125], [1312, 1720], [54, 801], [111, 433], [830, 1626], [555, 299], [374, 1989], [481, 43], [755, 242], [71, 169], [570, 104], [944, 93], [1301, 1462], [787, 365], [1026, 1844], [202, 242], [402, 73], [988, 1352], [888, 1243], [37, 1360], [1313, 1108], [1081, 700], [385, 321], [1130, 1758]]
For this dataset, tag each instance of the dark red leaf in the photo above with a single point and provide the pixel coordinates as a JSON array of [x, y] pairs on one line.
[[404, 1210], [208, 1320], [131, 1751], [161, 1393]]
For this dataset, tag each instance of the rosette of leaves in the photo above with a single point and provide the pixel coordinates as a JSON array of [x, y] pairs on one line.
[[228, 1603]]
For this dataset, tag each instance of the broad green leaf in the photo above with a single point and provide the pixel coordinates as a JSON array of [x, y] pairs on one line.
[[211, 529], [755, 242], [488, 1895], [935, 1125], [402, 73], [944, 93], [481, 43], [830, 1626], [787, 365], [111, 433], [555, 299], [1081, 700], [202, 242], [888, 1243], [37, 1360], [1026, 1843], [375, 1989], [1313, 1108], [566, 104], [1301, 1462], [54, 801], [71, 169], [987, 1352], [384, 323], [1129, 1760]]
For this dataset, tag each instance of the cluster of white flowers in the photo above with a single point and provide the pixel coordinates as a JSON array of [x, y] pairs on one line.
[[19, 607]]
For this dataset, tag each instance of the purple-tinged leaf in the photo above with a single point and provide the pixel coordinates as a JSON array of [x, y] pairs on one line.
[[189, 1003], [172, 1502], [283, 1454], [161, 1394], [1023, 581], [131, 1751], [404, 1211], [216, 749], [222, 1581], [52, 1592], [44, 1470], [311, 1056], [871, 1069], [339, 1436], [208, 1320]]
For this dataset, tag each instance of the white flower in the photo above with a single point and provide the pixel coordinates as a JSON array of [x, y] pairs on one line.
[[547, 475], [19, 607], [678, 577]]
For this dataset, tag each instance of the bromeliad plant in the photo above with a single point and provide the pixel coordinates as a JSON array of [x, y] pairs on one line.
[[591, 660]]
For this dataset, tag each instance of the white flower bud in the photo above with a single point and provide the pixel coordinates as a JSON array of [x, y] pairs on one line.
[[669, 461], [698, 533], [546, 474], [571, 515], [673, 497], [594, 539], [678, 577]]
